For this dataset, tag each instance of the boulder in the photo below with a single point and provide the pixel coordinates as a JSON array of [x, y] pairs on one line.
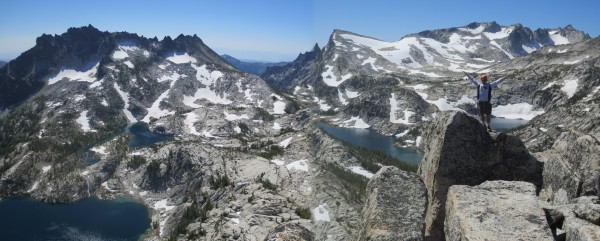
[[495, 210], [290, 232], [395, 206], [576, 221], [572, 168], [458, 151]]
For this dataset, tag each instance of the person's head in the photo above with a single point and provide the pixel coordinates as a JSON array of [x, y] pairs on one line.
[[484, 78]]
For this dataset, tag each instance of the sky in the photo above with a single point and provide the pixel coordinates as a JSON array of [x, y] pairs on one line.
[[277, 30]]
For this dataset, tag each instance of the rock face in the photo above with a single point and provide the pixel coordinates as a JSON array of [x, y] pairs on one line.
[[572, 167], [495, 210], [459, 152], [290, 232], [395, 207], [576, 221]]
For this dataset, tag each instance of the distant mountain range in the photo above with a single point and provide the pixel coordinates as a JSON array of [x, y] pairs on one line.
[[2, 63], [249, 66]]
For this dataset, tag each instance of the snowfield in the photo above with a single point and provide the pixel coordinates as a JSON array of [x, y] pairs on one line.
[[74, 75], [516, 111]]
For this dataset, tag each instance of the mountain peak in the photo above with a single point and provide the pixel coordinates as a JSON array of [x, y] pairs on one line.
[[316, 48]]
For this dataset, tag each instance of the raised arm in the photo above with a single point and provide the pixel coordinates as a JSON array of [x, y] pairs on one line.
[[498, 81], [472, 80]]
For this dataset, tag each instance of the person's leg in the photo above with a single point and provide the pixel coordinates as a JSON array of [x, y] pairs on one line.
[[482, 112]]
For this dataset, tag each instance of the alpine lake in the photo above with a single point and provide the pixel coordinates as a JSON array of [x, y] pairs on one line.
[[123, 218], [371, 139], [120, 219]]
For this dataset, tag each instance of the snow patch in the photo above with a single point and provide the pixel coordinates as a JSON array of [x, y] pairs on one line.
[[543, 129], [570, 87], [358, 123], [321, 213], [301, 165], [278, 162], [84, 121], [279, 107], [394, 108], [402, 133], [120, 54], [331, 79], [35, 185], [361, 171], [155, 111], [74, 75], [162, 204], [173, 76], [276, 126], [100, 149], [558, 39], [97, 84], [207, 94], [285, 143], [190, 119], [129, 64], [46, 169], [351, 94], [233, 117], [549, 85], [182, 59], [125, 97]]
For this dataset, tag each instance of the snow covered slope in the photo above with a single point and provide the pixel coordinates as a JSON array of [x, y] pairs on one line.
[[434, 53]]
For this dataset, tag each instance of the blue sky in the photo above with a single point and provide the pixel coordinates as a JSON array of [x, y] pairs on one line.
[[275, 30]]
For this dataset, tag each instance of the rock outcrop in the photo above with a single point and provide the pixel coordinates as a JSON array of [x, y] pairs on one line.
[[458, 151], [495, 210], [290, 232], [395, 207], [572, 168], [576, 221]]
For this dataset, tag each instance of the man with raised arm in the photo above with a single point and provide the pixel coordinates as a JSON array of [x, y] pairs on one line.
[[484, 97]]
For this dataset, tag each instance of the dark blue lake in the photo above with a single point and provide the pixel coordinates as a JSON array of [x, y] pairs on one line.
[[26, 219], [142, 136], [372, 140]]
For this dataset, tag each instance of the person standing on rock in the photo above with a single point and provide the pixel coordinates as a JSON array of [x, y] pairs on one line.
[[484, 97]]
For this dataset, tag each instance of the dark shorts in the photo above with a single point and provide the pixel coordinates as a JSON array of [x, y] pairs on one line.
[[485, 108]]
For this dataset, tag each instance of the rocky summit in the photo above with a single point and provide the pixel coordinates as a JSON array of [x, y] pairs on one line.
[[229, 155], [458, 151]]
